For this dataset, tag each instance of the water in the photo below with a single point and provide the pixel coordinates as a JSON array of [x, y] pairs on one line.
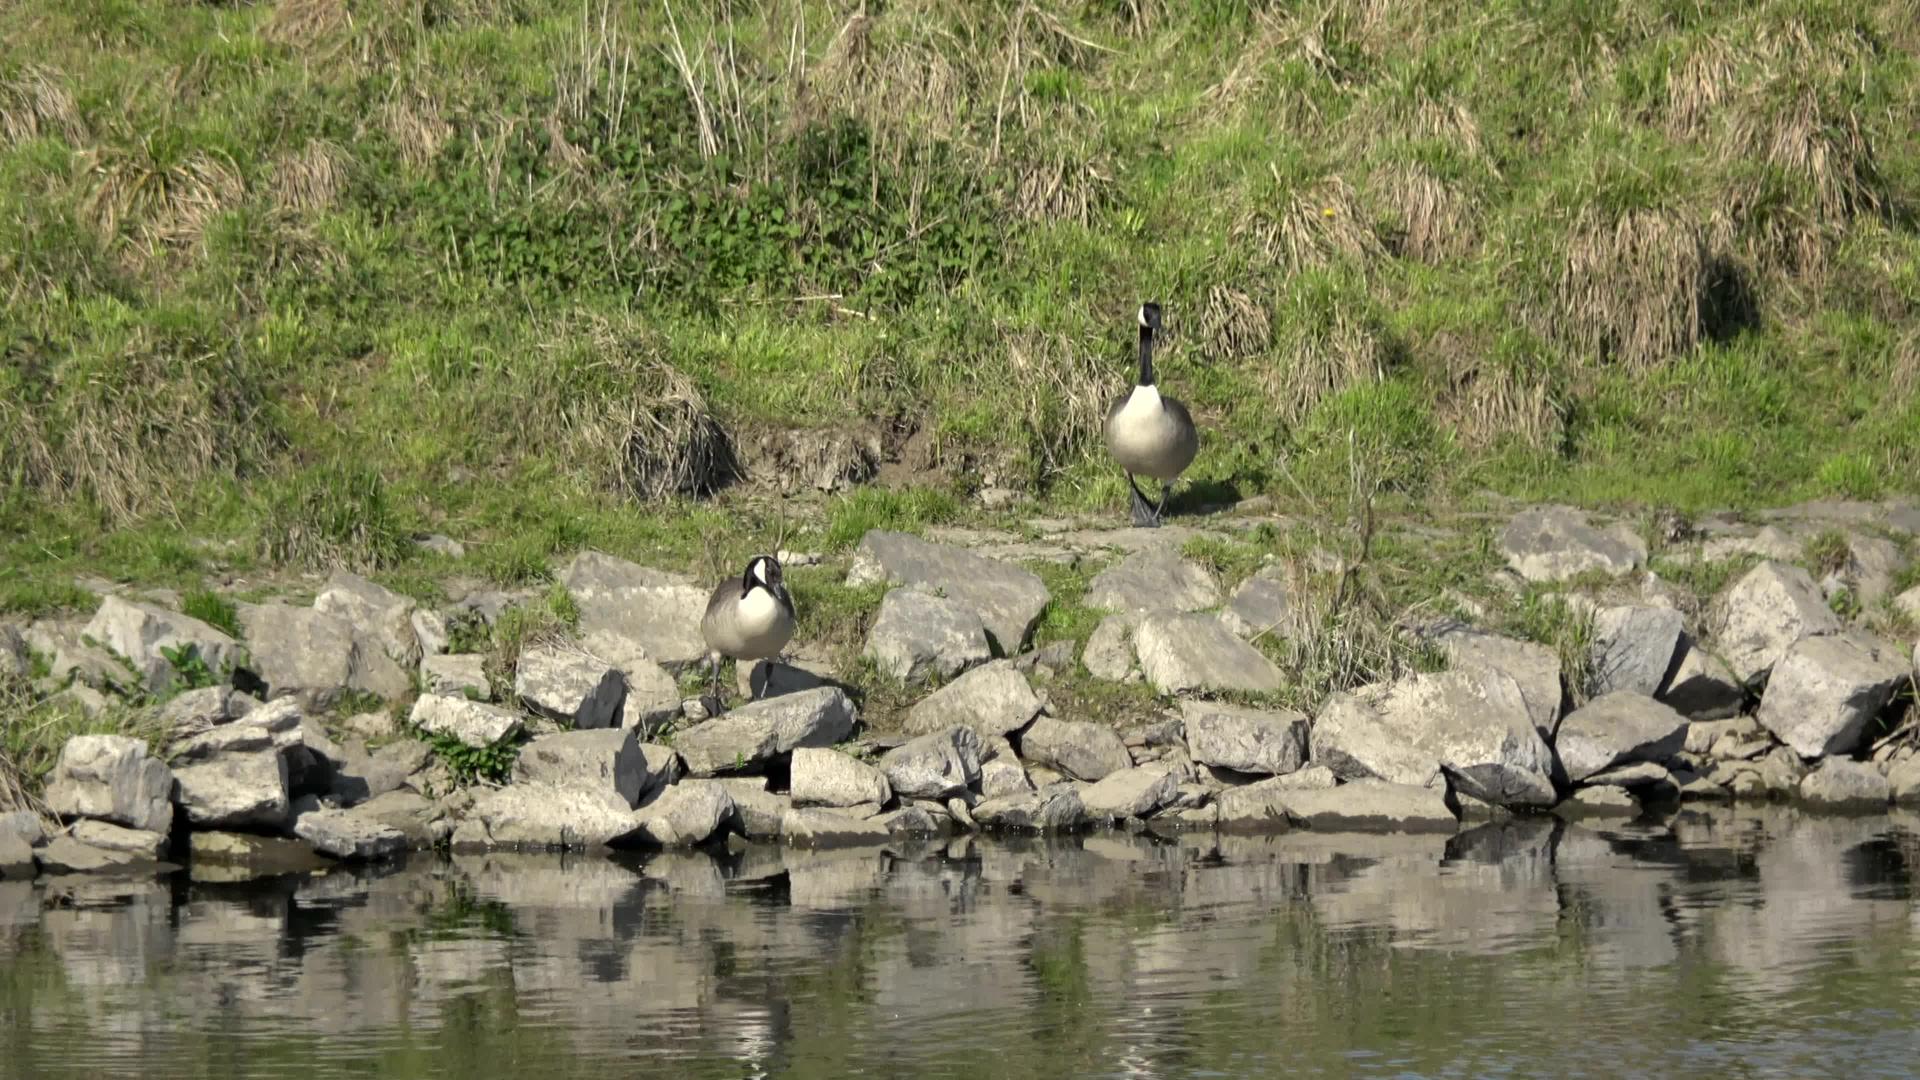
[[1735, 944]]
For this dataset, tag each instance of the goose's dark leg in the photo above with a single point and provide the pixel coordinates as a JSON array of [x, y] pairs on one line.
[[713, 701], [1143, 515], [1166, 492]]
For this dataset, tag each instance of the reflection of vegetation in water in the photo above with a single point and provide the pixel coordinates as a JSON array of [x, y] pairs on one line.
[[461, 913]]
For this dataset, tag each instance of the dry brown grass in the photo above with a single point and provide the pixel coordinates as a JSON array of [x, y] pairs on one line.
[[1233, 325], [1327, 345], [310, 179], [1700, 86], [160, 207], [1062, 391], [1061, 185], [35, 103], [1315, 37], [1486, 401], [305, 24], [644, 428], [1628, 288], [1314, 228], [416, 124], [1436, 220]]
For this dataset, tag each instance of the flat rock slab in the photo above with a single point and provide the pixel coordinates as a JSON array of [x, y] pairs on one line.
[[66, 855], [16, 858], [1262, 605], [1634, 648], [1621, 728], [569, 685], [301, 652], [144, 634], [756, 733], [992, 699], [1764, 613], [605, 760], [546, 816], [111, 778], [382, 619], [630, 612], [1109, 651], [457, 675], [935, 766], [347, 834], [1473, 725], [919, 637], [473, 723], [1057, 808], [1703, 687], [235, 791], [814, 827], [262, 855], [756, 811], [1825, 691], [1191, 653], [413, 816], [1153, 579], [824, 777], [138, 843], [1076, 748], [1598, 802], [1556, 543], [1260, 742], [1535, 667], [1007, 598], [280, 724], [1841, 784], [688, 813], [1130, 793]]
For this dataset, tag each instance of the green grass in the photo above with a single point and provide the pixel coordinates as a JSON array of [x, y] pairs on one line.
[[282, 288]]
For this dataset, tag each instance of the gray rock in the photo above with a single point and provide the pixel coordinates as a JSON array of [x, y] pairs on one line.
[[359, 775], [1007, 598], [811, 827], [16, 857], [431, 631], [1841, 784], [195, 712], [771, 678], [348, 834], [756, 733], [1703, 687], [1053, 658], [1260, 606], [1776, 774], [1153, 579], [1634, 648], [1135, 793], [1473, 724], [1001, 774], [756, 811], [935, 766], [663, 768], [547, 816], [315, 657], [66, 855], [1256, 741], [1278, 805], [1825, 691], [912, 821], [993, 699], [1555, 543], [235, 791], [823, 777], [1764, 613], [1736, 738], [461, 675], [1903, 781], [1646, 781], [24, 824], [1109, 651], [1075, 748], [139, 843], [382, 620], [1055, 809], [630, 612], [111, 778], [687, 813], [1534, 667], [1620, 728], [144, 633], [1873, 565], [919, 637], [608, 759], [408, 813], [1598, 802], [277, 725], [653, 697], [71, 659], [16, 660], [471, 722], [257, 855], [1908, 603], [569, 686], [1185, 653]]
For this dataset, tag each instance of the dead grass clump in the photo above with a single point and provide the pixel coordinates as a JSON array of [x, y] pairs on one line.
[[901, 78], [303, 24], [160, 204], [1061, 391], [642, 424], [1629, 288], [1700, 86], [1325, 40], [1331, 340], [311, 179], [35, 103], [336, 514], [1488, 400], [1063, 185], [1233, 325], [413, 120], [1434, 220], [1309, 229]]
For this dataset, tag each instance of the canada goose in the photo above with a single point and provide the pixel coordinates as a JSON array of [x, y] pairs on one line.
[[748, 619], [1150, 434]]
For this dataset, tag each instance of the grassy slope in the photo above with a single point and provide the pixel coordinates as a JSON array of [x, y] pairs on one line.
[[301, 277]]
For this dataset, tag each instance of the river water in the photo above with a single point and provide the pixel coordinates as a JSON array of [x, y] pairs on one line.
[[1730, 944]]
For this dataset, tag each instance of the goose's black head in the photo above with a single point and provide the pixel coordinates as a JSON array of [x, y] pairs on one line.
[[1150, 317], [763, 572]]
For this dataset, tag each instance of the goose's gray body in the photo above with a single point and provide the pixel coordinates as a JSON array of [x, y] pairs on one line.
[[750, 617], [1148, 433]]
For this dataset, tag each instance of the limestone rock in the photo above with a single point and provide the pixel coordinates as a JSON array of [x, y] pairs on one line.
[[1254, 741], [1703, 687], [1082, 750], [652, 699], [1135, 792], [687, 813], [1260, 605], [1598, 802], [663, 768], [1055, 809], [1534, 667], [912, 821], [756, 811], [1555, 543], [1153, 579], [471, 722], [1621, 728], [382, 620], [430, 631], [1903, 781], [144, 633], [569, 686], [15, 657], [1764, 613], [413, 816], [823, 777], [139, 843], [1474, 725], [1109, 651], [243, 789], [348, 834], [630, 612], [1007, 598], [259, 855], [111, 778], [1842, 784], [756, 733], [1278, 805], [919, 637], [547, 816], [607, 759], [1634, 648], [934, 766], [460, 675], [1185, 653], [1647, 782], [1002, 774], [65, 854], [195, 712], [813, 827], [16, 857], [1826, 690], [992, 699], [278, 725], [1908, 603], [315, 656]]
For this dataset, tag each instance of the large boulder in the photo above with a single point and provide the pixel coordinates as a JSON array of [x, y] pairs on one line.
[[1262, 742], [686, 814], [1703, 687], [1109, 651], [630, 613], [607, 759], [236, 790], [1001, 772], [1189, 653], [815, 827], [823, 777], [756, 811], [1360, 806], [1842, 784], [349, 834], [412, 815], [1131, 793], [198, 711], [1556, 543], [547, 816], [16, 857], [140, 843], [652, 699], [750, 736], [280, 724], [934, 766], [1007, 598], [459, 675], [1764, 613], [992, 699], [112, 778], [1260, 606], [69, 855], [144, 634], [1153, 579], [1056, 808], [1634, 648], [1825, 691], [918, 637], [1621, 728], [472, 723], [664, 768], [382, 619], [315, 656], [1535, 667], [1472, 725], [1908, 604], [1076, 748], [570, 686]]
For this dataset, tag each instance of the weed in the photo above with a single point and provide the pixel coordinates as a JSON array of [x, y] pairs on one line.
[[213, 609], [492, 764], [190, 670]]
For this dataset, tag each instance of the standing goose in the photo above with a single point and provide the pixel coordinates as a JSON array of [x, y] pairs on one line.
[[748, 619], [1149, 434]]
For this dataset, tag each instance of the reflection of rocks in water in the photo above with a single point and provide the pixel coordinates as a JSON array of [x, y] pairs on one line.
[[1621, 906], [108, 933], [19, 906], [1500, 898]]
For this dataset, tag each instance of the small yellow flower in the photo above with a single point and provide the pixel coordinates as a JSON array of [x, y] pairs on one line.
[[1328, 211]]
